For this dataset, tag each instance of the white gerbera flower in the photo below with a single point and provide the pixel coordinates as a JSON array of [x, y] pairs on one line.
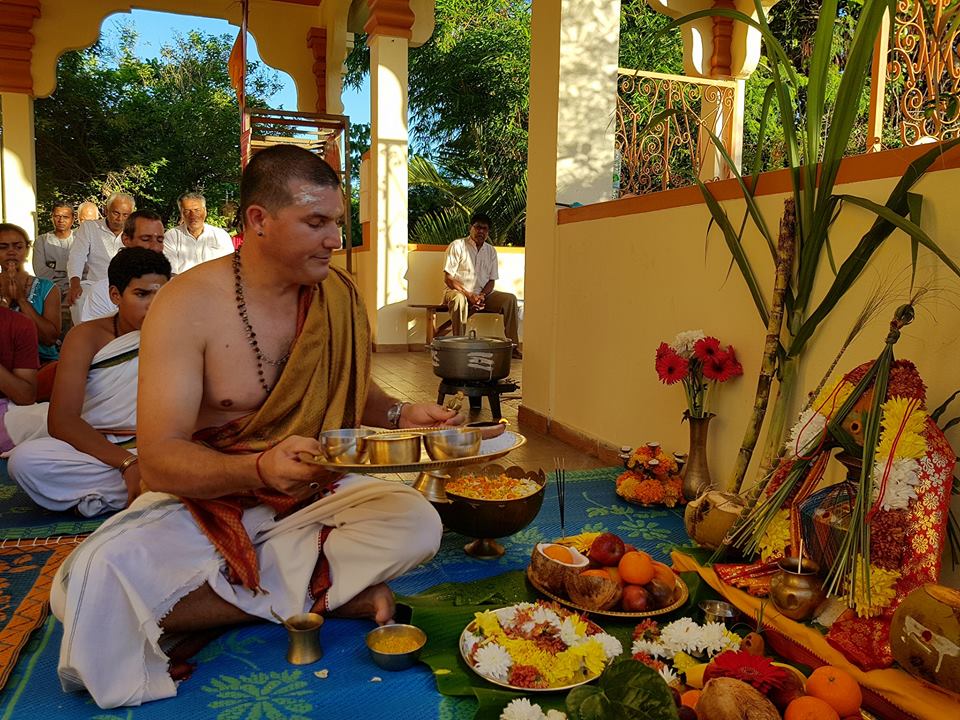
[[668, 675], [522, 709], [493, 661], [685, 341], [806, 434], [611, 646], [901, 483], [648, 647]]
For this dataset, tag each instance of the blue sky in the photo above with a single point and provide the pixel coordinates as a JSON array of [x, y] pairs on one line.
[[155, 28]]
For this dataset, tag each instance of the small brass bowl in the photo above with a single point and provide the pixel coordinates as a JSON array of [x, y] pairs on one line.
[[396, 449], [396, 660], [717, 611], [453, 443], [347, 446]]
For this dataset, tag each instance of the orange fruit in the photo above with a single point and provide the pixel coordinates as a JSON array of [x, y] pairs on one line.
[[664, 574], [810, 708], [558, 553], [636, 568], [596, 573], [689, 698], [614, 575], [837, 688]]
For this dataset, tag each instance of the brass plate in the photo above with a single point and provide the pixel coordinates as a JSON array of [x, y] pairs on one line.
[[506, 443], [472, 626], [680, 597]]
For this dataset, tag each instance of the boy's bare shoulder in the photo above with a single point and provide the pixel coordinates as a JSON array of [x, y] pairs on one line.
[[207, 283]]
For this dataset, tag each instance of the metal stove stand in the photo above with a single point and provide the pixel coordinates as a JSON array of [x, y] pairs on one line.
[[476, 390]]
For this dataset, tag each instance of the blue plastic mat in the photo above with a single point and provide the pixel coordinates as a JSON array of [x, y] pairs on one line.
[[243, 675], [21, 518]]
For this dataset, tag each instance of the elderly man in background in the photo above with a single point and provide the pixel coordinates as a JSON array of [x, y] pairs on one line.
[[469, 271], [94, 245], [193, 241], [144, 228], [51, 250], [87, 211]]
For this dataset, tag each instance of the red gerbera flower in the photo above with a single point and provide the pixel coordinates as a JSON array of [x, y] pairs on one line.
[[755, 670], [706, 348], [736, 369], [672, 368], [717, 368], [663, 351]]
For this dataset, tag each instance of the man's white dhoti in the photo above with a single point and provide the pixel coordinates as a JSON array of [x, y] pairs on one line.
[[114, 589], [52, 472]]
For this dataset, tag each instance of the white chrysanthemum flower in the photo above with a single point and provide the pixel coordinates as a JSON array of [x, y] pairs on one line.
[[901, 483], [648, 647], [668, 675], [522, 709], [470, 641], [556, 715], [681, 635], [569, 634], [528, 627], [806, 434], [611, 646], [685, 341], [493, 661], [713, 638], [508, 616], [546, 615]]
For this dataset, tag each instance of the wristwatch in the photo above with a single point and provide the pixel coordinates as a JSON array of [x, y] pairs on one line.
[[393, 414]]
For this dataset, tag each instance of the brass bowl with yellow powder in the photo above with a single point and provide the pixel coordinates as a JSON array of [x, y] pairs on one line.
[[396, 647]]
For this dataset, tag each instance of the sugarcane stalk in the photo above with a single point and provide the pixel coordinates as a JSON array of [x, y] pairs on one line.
[[786, 248]]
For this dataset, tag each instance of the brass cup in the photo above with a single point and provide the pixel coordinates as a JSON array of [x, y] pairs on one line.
[[717, 611], [795, 589], [396, 661], [347, 446], [303, 632], [396, 449], [453, 443]]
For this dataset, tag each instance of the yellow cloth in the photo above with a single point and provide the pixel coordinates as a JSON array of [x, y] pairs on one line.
[[917, 699]]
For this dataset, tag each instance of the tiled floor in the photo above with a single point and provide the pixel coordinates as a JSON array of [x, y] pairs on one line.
[[409, 376]]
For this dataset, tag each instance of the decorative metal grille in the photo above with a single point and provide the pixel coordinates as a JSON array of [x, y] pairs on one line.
[[670, 153], [924, 69]]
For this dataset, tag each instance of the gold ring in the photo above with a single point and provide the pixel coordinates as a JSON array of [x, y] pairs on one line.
[[314, 486]]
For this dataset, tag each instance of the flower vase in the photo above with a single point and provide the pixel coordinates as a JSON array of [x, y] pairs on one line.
[[696, 473]]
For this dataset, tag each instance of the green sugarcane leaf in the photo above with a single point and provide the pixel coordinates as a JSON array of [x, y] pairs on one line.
[[817, 81], [915, 203], [935, 415], [736, 250], [955, 421]]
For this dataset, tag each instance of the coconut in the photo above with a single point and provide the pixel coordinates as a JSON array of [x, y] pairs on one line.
[[592, 591], [709, 517], [729, 699], [924, 635], [550, 573]]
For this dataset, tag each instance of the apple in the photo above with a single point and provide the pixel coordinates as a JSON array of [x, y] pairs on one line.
[[629, 548], [607, 550], [686, 713], [660, 593], [635, 599]]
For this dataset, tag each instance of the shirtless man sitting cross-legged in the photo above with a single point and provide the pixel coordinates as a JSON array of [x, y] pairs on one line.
[[244, 361]]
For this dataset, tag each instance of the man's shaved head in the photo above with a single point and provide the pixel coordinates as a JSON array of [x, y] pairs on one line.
[[266, 179]]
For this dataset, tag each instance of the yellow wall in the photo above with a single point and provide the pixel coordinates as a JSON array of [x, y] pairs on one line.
[[621, 285], [18, 199]]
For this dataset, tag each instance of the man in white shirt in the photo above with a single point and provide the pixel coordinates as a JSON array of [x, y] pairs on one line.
[[469, 271], [94, 245], [51, 250], [87, 211], [193, 241], [144, 228]]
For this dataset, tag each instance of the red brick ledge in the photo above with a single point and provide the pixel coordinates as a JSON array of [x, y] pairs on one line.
[[595, 447]]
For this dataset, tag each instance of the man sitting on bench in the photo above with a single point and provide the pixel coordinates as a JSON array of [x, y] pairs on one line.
[[469, 271]]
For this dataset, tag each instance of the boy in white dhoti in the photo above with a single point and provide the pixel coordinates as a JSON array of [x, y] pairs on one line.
[[229, 404], [88, 461]]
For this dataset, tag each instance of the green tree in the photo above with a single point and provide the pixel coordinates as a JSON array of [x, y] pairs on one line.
[[156, 128]]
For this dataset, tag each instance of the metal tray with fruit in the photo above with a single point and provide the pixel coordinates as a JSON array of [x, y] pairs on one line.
[[613, 581]]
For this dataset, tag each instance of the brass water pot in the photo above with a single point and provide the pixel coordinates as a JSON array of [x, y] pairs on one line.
[[795, 589], [303, 631]]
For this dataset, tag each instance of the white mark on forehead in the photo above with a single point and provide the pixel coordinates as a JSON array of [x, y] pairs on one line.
[[310, 196], [154, 286]]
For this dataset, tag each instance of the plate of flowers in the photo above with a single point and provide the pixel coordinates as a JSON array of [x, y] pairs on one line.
[[538, 647]]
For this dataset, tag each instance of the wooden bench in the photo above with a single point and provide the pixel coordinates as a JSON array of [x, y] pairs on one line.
[[431, 311]]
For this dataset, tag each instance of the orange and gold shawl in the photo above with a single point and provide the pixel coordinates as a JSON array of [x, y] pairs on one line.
[[323, 386]]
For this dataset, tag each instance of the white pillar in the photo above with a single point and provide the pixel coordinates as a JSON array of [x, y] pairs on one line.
[[18, 165], [388, 186], [589, 51]]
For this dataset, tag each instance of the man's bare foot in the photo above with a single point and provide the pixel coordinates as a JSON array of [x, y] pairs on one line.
[[376, 603]]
